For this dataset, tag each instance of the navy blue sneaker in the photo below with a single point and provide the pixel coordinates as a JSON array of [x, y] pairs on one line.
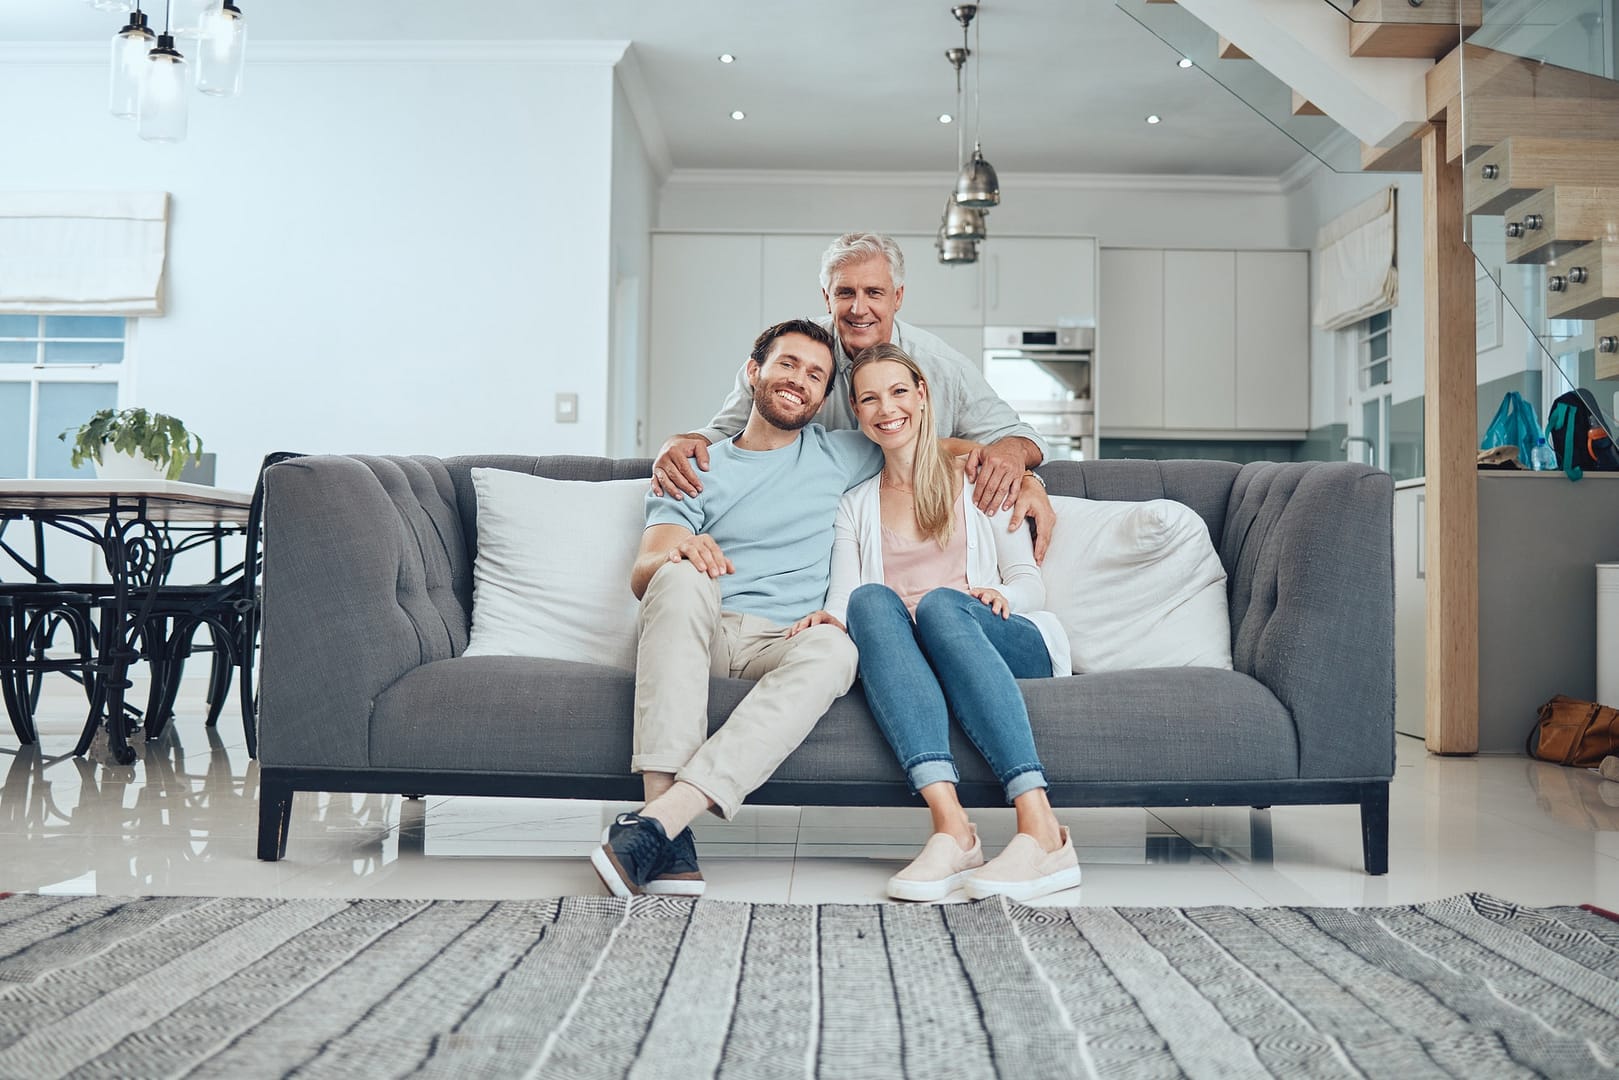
[[682, 877], [634, 850]]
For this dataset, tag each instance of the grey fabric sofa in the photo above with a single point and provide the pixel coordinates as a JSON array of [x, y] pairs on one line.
[[368, 595]]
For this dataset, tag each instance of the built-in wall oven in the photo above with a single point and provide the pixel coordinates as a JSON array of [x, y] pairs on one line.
[[1047, 374]]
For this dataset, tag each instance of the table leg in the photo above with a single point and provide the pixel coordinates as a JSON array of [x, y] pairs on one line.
[[137, 556]]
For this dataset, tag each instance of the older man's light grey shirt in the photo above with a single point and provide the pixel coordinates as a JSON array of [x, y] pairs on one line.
[[964, 406]]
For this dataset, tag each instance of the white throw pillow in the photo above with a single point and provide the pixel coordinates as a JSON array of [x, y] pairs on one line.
[[552, 576], [1137, 585]]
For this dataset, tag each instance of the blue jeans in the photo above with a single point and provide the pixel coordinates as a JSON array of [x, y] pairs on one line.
[[958, 652]]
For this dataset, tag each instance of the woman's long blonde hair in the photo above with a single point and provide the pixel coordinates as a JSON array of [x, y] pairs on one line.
[[933, 469]]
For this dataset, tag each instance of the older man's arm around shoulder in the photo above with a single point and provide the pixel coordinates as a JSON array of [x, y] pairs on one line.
[[664, 544]]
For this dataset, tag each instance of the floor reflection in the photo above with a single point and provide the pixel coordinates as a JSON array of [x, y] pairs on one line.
[[1577, 797], [184, 820]]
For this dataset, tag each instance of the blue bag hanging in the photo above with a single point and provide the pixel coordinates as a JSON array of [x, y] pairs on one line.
[[1514, 425]]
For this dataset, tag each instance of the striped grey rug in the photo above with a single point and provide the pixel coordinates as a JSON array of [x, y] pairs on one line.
[[593, 987]]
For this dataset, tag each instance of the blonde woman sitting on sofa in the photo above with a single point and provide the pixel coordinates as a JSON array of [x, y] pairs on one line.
[[943, 602]]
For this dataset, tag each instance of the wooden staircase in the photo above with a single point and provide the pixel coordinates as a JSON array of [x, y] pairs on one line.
[[1539, 145]]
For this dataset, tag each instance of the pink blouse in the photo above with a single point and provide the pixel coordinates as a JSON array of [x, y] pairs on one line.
[[914, 568]]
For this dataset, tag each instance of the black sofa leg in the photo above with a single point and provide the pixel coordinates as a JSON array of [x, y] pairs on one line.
[[1374, 828], [275, 816]]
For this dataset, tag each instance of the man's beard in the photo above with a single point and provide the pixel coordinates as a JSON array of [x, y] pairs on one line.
[[764, 399]]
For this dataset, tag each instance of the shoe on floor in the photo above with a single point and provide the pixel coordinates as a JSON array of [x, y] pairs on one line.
[[940, 870], [1609, 769], [1025, 870], [634, 850], [682, 877]]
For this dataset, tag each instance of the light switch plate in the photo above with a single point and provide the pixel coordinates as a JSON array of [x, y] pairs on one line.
[[567, 408]]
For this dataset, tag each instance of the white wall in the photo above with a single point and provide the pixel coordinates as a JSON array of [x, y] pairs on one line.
[[365, 255], [635, 194], [1120, 212]]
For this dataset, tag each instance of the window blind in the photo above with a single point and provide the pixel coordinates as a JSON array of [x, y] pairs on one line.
[[83, 253], [1356, 276]]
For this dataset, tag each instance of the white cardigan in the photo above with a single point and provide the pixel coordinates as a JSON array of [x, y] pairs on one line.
[[996, 559]]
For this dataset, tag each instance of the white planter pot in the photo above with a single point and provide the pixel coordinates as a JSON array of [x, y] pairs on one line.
[[128, 467]]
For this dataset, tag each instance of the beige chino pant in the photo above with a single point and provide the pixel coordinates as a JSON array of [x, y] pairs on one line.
[[684, 638]]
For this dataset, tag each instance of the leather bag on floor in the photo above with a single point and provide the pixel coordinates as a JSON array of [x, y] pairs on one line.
[[1572, 732]]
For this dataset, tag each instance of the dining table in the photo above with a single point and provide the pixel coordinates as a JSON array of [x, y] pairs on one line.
[[140, 527]]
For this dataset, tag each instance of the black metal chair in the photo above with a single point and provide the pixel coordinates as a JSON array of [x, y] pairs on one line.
[[31, 616], [229, 609]]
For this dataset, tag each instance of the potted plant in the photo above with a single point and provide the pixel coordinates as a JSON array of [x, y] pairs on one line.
[[145, 445]]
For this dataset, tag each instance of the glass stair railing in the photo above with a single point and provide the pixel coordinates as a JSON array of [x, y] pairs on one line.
[[1249, 82], [1534, 120]]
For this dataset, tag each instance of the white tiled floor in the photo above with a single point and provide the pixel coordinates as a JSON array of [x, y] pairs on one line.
[[183, 820]]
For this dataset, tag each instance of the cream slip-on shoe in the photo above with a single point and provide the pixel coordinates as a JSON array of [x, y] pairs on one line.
[[939, 870], [1025, 870]]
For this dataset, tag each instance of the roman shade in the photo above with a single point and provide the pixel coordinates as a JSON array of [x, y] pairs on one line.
[[1356, 275], [83, 253]]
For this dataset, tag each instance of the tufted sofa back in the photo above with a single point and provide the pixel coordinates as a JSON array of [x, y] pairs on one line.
[[380, 549]]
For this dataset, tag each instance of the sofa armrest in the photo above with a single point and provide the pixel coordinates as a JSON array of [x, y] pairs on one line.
[[348, 605], [1309, 549]]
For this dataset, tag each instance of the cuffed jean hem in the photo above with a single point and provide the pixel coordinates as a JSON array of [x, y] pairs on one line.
[[932, 771], [645, 763], [1024, 782]]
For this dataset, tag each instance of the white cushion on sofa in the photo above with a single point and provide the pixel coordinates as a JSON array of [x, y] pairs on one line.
[[1137, 585], [552, 576]]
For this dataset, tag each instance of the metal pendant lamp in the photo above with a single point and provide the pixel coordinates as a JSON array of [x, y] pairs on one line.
[[962, 222], [955, 250], [977, 187]]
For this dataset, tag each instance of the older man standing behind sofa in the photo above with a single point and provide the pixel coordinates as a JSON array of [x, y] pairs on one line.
[[723, 577], [863, 283]]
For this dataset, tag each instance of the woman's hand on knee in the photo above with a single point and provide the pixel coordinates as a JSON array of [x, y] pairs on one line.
[[815, 618], [993, 600]]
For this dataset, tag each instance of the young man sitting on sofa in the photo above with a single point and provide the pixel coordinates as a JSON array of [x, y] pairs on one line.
[[722, 576]]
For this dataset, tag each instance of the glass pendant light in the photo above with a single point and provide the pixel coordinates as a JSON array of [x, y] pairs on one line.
[[129, 48], [221, 50], [977, 186], [163, 94]]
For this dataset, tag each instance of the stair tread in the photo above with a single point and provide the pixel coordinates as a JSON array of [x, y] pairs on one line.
[[1570, 217], [1496, 74], [1594, 298], [1527, 163]]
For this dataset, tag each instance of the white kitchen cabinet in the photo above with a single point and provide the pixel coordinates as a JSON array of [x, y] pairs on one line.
[[939, 295], [1200, 340], [1130, 340], [1199, 344], [1273, 340], [790, 278], [705, 314], [1038, 281]]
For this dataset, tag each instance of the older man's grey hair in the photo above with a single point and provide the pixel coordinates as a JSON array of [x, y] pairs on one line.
[[857, 246]]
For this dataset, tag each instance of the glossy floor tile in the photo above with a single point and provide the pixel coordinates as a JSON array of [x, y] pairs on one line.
[[183, 819]]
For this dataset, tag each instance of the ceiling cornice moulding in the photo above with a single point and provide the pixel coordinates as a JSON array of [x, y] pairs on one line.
[[592, 53], [633, 83], [1236, 185]]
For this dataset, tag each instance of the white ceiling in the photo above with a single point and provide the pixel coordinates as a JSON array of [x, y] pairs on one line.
[[833, 84]]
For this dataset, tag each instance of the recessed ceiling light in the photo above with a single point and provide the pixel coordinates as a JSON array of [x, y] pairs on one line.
[[1153, 119], [945, 118], [1185, 62], [738, 114], [727, 58]]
